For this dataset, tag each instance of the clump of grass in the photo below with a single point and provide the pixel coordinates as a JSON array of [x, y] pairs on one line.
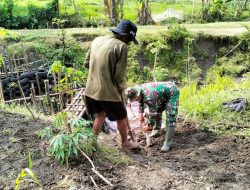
[[112, 155], [206, 100], [204, 105]]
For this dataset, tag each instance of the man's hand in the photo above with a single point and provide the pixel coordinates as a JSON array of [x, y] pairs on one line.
[[146, 128], [121, 89]]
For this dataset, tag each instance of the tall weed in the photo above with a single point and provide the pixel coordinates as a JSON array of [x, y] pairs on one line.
[[204, 105]]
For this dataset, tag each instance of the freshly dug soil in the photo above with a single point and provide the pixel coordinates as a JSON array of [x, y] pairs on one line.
[[198, 160]]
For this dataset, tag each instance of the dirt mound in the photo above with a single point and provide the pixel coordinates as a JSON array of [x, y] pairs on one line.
[[199, 160]]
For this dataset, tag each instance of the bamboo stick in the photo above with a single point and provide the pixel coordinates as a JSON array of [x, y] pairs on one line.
[[1, 91], [42, 106], [25, 102], [54, 76], [38, 84], [46, 84], [33, 94]]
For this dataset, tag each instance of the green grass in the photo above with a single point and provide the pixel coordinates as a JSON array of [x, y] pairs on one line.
[[204, 105], [22, 110], [114, 156], [220, 28]]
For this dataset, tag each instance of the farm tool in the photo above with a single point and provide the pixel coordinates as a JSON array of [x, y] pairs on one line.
[[129, 128]]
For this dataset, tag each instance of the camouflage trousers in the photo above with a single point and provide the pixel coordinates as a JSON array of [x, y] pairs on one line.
[[171, 109]]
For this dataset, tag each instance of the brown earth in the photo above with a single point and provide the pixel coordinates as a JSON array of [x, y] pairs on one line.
[[199, 160]]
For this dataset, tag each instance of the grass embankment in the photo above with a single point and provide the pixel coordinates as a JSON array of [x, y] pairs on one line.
[[219, 28]]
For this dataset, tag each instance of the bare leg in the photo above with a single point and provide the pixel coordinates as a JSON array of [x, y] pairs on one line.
[[122, 126], [98, 123], [123, 130]]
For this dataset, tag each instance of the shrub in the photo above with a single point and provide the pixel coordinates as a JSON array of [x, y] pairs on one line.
[[234, 66], [36, 18], [171, 20]]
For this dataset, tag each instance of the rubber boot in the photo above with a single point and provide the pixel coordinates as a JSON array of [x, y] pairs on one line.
[[168, 143], [155, 132]]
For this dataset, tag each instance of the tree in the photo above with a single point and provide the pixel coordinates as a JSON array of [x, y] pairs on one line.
[[9, 8], [204, 2], [114, 9], [75, 7], [144, 13], [241, 5], [69, 2], [214, 10]]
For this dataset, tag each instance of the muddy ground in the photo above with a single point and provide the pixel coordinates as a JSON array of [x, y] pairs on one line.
[[199, 160]]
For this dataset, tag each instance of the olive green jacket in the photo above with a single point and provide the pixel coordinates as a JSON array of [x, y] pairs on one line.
[[107, 60]]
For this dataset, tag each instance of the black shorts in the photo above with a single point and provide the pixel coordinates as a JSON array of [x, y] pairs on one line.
[[113, 110]]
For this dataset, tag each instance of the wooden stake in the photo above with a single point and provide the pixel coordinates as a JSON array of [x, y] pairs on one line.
[[54, 106], [42, 106], [38, 84], [33, 95], [25, 102], [54, 76], [1, 91], [60, 93], [46, 84]]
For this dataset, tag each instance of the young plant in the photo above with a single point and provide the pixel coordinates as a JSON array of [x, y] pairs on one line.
[[60, 24], [27, 175], [155, 48], [68, 78], [67, 135], [1, 61]]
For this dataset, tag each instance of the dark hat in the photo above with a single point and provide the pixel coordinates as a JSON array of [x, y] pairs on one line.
[[126, 28], [132, 92]]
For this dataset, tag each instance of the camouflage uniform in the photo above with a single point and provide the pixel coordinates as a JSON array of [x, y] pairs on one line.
[[159, 97]]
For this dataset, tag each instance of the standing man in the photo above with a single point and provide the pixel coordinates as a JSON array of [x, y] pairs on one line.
[[107, 61], [159, 97]]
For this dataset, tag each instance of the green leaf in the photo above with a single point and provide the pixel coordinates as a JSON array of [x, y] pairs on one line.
[[75, 151], [30, 160], [47, 131], [22, 174]]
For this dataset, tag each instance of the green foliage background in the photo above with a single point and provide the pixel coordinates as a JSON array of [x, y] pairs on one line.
[[17, 14]]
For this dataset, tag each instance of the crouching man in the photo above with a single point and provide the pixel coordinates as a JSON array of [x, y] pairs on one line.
[[159, 97]]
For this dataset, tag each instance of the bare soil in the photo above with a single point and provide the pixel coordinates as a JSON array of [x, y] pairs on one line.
[[198, 160]]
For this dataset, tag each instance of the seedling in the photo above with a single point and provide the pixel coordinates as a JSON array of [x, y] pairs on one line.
[[27, 175], [67, 134]]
